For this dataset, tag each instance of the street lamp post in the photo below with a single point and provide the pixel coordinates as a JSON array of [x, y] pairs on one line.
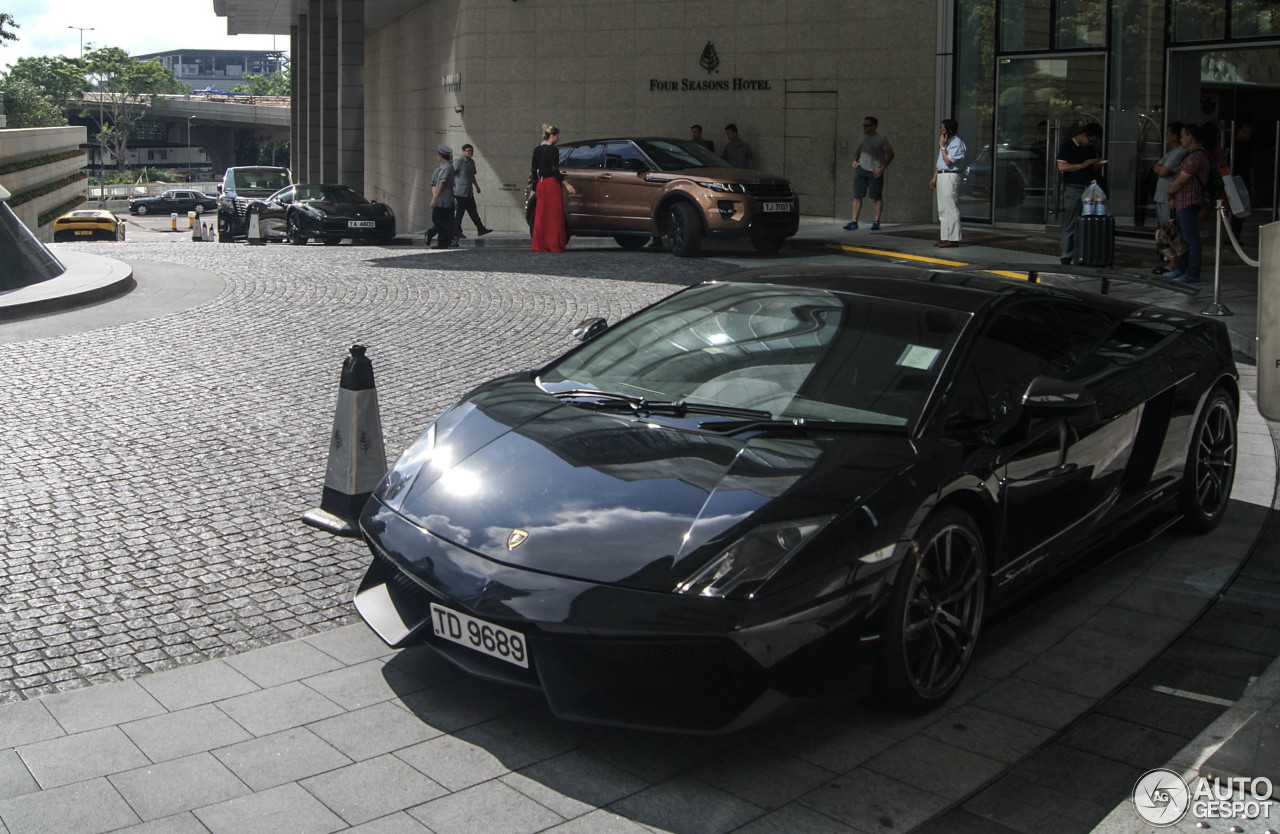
[[101, 187], [189, 118]]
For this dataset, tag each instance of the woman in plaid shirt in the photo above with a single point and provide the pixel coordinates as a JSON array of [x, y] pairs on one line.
[[1186, 196]]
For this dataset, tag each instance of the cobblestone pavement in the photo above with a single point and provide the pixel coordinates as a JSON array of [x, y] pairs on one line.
[[152, 474]]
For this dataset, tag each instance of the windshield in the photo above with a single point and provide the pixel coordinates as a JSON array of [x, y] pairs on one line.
[[260, 180], [677, 154], [794, 353], [328, 194]]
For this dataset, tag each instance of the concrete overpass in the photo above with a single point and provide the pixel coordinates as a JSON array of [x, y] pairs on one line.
[[216, 120]]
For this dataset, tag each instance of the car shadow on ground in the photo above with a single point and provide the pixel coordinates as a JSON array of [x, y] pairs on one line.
[[1040, 671]]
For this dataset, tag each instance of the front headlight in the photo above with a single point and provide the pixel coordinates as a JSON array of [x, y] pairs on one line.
[[396, 483], [725, 187], [744, 566]]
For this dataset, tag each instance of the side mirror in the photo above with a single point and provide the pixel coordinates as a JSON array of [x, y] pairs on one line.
[[1049, 397], [590, 328]]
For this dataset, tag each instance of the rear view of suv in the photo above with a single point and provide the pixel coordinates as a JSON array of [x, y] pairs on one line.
[[636, 189], [239, 186]]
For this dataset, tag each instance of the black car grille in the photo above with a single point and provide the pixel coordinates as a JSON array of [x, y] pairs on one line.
[[769, 190]]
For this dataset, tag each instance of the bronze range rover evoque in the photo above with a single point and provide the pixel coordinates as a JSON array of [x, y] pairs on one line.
[[635, 189]]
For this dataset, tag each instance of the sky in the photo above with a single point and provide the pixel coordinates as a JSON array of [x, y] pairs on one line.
[[136, 26]]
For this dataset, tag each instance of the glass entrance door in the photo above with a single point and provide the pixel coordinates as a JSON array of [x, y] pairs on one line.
[[1038, 101]]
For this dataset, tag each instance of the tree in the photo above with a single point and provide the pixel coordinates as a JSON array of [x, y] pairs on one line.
[[123, 87], [36, 90], [26, 105], [276, 84], [7, 22]]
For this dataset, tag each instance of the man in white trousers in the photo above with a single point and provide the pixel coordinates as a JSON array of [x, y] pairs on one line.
[[946, 181]]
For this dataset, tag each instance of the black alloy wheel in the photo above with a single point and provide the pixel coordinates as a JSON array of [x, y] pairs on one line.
[[142, 209], [293, 233], [937, 612], [684, 229], [1211, 465]]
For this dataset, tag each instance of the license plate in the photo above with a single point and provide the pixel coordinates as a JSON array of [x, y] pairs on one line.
[[84, 233], [486, 638], [361, 224], [777, 207]]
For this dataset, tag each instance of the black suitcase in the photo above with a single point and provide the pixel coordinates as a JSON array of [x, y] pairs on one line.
[[1096, 241]]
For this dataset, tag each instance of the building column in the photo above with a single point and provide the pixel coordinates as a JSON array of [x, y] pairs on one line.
[[297, 110], [329, 90], [351, 94], [314, 93]]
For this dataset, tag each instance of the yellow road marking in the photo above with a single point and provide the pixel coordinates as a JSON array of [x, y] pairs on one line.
[[886, 253]]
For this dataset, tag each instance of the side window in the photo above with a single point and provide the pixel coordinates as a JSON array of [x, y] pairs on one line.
[[624, 156], [580, 156], [1047, 337]]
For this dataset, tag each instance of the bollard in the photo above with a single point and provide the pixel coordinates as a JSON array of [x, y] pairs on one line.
[[357, 457], [255, 231], [191, 220], [173, 221], [1269, 321]]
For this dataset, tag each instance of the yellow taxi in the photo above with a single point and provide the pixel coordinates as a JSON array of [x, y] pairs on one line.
[[88, 224]]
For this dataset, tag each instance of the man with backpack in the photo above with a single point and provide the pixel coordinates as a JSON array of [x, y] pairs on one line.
[[1187, 194]]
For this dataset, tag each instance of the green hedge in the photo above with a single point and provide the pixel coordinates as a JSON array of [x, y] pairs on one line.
[[28, 196], [54, 213], [37, 162]]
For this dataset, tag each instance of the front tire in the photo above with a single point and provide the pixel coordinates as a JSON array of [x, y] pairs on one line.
[[293, 233], [937, 609], [1211, 465], [142, 210], [685, 230]]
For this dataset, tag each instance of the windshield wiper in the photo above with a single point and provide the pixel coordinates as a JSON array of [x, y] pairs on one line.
[[793, 424], [613, 399]]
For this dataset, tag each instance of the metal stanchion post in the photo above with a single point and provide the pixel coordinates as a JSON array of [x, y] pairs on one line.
[[1217, 308]]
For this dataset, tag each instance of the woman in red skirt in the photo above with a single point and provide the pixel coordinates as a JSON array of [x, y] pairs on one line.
[[549, 234]]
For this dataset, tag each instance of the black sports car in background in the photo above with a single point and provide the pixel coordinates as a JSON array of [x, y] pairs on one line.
[[328, 213], [789, 482]]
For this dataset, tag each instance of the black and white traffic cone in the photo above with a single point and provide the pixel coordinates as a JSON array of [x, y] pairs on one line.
[[357, 457], [255, 231], [196, 233]]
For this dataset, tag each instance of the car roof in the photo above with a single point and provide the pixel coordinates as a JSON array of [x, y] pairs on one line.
[[621, 139], [965, 291]]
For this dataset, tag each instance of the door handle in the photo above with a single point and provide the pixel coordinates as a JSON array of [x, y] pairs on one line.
[[605, 176]]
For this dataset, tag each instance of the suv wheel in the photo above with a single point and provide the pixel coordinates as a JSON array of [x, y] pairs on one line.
[[631, 242], [767, 245], [684, 229], [142, 209]]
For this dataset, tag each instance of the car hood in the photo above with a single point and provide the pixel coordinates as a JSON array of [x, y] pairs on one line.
[[370, 210], [617, 499]]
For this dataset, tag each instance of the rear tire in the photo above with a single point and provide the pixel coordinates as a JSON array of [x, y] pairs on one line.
[[684, 227], [199, 209], [1211, 465], [938, 602], [631, 243]]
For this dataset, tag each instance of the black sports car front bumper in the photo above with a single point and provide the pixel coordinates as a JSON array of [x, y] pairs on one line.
[[602, 653]]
